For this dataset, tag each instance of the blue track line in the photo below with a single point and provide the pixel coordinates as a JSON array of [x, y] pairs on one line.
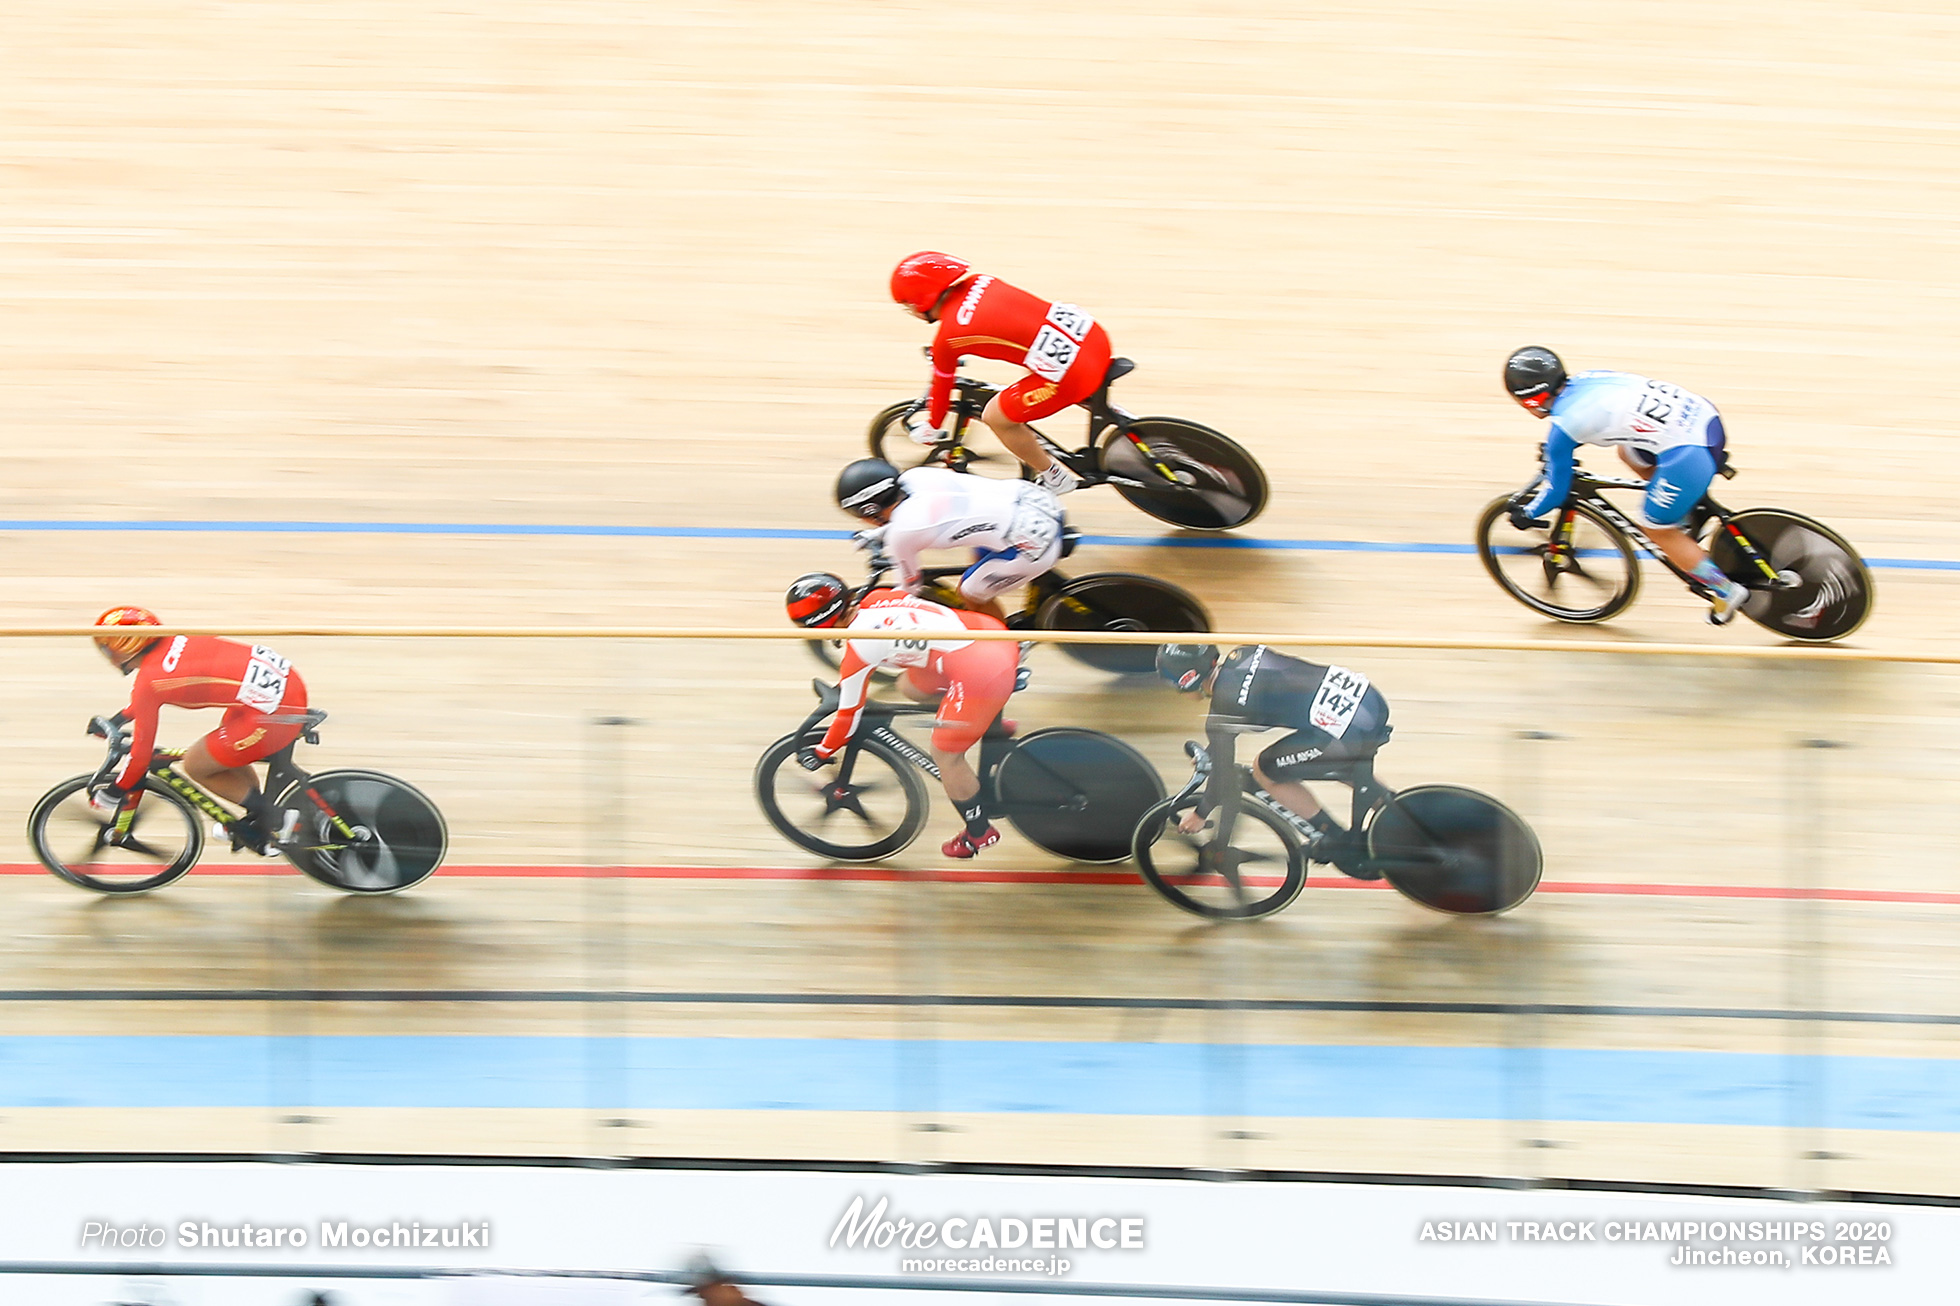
[[1025, 1077], [601, 530]]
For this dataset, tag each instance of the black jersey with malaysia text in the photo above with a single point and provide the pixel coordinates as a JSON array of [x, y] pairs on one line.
[[1258, 687]]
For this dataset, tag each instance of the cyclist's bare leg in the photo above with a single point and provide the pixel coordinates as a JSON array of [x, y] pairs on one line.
[[1019, 437], [958, 777], [235, 784]]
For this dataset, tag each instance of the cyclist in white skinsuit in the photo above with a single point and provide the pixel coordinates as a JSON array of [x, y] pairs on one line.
[[1015, 528], [1671, 438]]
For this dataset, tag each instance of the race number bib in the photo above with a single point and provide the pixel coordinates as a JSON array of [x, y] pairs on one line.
[[263, 685], [1058, 342], [1338, 699]]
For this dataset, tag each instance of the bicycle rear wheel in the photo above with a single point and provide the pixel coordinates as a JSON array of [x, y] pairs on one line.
[[1213, 483], [1076, 793], [888, 439], [876, 815], [70, 839], [1115, 600], [1455, 850], [1835, 595], [399, 836], [1593, 576], [1272, 870]]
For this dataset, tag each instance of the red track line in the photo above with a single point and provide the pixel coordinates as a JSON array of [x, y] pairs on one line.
[[886, 875]]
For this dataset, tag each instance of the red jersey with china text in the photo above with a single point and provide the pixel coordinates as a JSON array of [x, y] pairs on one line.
[[203, 671], [987, 318]]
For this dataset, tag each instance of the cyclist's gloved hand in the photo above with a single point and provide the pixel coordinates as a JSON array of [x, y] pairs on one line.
[[1521, 514], [922, 431], [871, 539], [811, 759]]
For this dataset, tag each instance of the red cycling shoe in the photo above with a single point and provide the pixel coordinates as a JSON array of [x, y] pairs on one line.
[[964, 845]]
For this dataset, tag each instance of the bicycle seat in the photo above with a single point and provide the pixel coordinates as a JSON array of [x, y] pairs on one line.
[[308, 720], [1118, 369]]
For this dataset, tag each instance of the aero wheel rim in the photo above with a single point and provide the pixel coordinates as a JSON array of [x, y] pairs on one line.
[[159, 837], [848, 820], [1455, 851], [1200, 494], [1578, 572], [396, 841], [1833, 593], [1077, 794]]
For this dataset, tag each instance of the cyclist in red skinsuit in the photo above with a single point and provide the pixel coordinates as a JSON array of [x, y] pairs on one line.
[[263, 697], [971, 679], [1065, 351]]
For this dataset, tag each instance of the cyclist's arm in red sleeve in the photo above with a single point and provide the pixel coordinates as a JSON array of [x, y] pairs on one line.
[[945, 365], [853, 679], [142, 717]]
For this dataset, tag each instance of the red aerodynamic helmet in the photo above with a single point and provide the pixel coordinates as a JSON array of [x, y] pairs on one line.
[[122, 649], [921, 280]]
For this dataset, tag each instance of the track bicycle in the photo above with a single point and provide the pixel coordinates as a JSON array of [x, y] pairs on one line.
[[1176, 470], [354, 830], [1444, 846], [1074, 793], [1102, 600], [1807, 583]]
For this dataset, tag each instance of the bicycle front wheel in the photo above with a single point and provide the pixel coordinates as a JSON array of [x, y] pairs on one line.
[[1455, 850], [1834, 593], [1188, 475], [1581, 570], [888, 439], [873, 815], [1115, 600], [71, 839], [1076, 793], [398, 839], [1272, 867]]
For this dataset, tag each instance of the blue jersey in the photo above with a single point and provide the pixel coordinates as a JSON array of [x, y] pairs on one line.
[[1623, 410]]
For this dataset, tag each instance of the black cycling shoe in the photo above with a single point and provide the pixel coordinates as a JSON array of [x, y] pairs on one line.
[[1342, 852], [247, 836]]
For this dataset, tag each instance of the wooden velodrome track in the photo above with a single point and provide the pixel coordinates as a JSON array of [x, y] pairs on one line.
[[602, 265]]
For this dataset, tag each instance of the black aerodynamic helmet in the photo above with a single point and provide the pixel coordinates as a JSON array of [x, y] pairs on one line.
[[868, 486], [1533, 371], [817, 598], [1187, 666]]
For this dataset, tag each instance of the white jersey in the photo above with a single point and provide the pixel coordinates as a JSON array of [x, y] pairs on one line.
[[1624, 410], [954, 510]]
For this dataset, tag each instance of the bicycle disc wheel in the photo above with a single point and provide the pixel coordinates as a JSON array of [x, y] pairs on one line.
[[1455, 850], [1115, 600], [888, 439], [1214, 484], [1076, 793], [876, 816], [400, 837], [1593, 579], [1271, 874], [164, 839], [1835, 595]]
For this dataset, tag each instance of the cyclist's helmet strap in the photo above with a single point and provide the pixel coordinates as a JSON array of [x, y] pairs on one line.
[[867, 487], [1186, 666], [123, 650], [817, 598], [1533, 371]]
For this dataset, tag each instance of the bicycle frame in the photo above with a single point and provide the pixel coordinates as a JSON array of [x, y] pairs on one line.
[[971, 397], [1586, 489], [1367, 793], [876, 724]]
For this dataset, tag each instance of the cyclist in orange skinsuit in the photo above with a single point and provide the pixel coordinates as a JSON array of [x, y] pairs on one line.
[[1065, 351], [971, 679], [263, 697]]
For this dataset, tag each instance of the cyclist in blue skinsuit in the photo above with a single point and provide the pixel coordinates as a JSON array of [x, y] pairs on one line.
[[1671, 438]]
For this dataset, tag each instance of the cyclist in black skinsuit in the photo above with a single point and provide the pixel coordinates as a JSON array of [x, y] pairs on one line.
[[1334, 716]]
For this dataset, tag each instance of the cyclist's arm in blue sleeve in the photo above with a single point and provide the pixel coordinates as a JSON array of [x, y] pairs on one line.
[[1559, 448]]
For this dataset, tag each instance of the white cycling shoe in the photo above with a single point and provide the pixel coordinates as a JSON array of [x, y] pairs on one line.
[[1722, 607], [1057, 479]]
